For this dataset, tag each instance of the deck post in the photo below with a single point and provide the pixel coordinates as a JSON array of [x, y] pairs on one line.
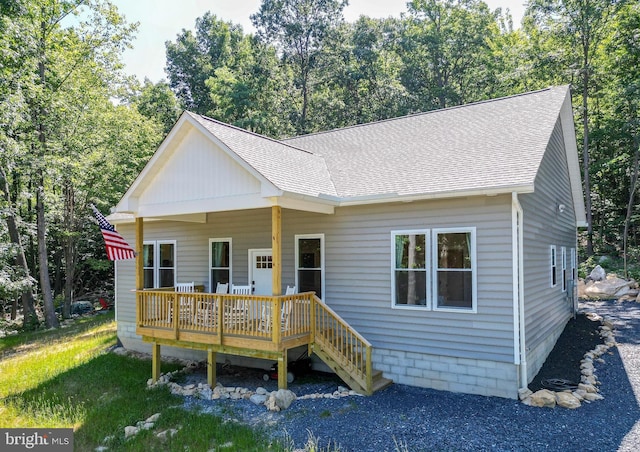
[[155, 361], [211, 368], [276, 250], [282, 370], [140, 254]]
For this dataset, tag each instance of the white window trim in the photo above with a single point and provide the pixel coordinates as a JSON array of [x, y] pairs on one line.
[[297, 238], [156, 260], [574, 267], [427, 241], [563, 263], [553, 263], [211, 288], [474, 271]]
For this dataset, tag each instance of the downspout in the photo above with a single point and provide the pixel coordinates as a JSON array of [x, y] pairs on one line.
[[517, 250]]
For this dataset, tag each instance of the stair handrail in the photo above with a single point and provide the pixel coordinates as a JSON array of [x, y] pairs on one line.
[[362, 343]]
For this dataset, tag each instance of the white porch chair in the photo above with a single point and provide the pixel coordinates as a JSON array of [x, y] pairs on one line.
[[184, 302], [237, 313], [207, 309], [285, 313], [222, 288]]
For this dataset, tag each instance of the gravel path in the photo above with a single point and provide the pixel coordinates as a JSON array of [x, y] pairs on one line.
[[403, 418]]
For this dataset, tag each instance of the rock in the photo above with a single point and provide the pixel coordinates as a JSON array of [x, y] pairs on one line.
[[153, 418], [261, 391], [590, 397], [271, 403], [163, 435], [587, 388], [597, 274], [284, 398], [259, 399], [543, 398], [130, 430], [567, 400], [611, 287], [523, 393]]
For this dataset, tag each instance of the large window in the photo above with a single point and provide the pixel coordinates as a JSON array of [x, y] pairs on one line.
[[410, 268], [219, 262], [159, 263], [310, 263], [454, 282], [434, 269]]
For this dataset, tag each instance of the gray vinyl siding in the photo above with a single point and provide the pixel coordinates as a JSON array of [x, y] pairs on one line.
[[546, 307], [358, 268]]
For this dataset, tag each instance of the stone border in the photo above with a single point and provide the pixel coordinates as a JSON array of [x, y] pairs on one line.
[[273, 401], [588, 387]]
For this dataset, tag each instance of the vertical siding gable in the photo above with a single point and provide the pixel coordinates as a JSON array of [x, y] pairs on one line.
[[198, 170]]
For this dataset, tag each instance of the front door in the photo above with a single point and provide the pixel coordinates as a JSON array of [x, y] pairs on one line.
[[260, 271]]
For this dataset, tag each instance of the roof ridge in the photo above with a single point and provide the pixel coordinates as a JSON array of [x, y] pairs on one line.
[[422, 113], [240, 129]]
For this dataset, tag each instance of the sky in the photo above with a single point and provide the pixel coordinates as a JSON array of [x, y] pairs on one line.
[[162, 20]]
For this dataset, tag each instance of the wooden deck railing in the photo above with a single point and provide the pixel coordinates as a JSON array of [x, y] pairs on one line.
[[258, 317], [342, 343]]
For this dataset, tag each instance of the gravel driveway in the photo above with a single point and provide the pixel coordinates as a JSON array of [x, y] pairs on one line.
[[403, 418]]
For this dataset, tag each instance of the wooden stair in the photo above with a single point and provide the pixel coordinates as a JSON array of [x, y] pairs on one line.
[[345, 351]]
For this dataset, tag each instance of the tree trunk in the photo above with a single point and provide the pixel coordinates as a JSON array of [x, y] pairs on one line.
[[585, 149], [45, 283], [632, 195], [40, 113], [69, 248], [28, 306]]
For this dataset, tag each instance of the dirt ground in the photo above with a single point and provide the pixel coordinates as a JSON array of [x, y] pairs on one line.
[[579, 336]]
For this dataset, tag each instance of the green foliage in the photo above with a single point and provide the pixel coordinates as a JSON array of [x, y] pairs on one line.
[[305, 70]]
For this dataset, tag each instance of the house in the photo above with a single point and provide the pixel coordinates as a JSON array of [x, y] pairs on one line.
[[440, 247]]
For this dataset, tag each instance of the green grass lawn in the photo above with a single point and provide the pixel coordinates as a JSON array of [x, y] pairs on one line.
[[65, 378]]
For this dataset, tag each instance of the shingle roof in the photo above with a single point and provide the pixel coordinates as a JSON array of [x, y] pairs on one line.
[[496, 144]]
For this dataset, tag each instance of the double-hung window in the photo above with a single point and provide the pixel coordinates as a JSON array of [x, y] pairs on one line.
[[409, 278], [454, 282], [563, 262], [434, 269], [574, 259], [553, 265], [159, 263], [219, 262], [310, 263]]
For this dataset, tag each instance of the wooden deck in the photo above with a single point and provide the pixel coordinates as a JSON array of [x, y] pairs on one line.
[[257, 327]]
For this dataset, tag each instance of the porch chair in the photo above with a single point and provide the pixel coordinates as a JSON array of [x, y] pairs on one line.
[[237, 313], [184, 304], [207, 309], [285, 314]]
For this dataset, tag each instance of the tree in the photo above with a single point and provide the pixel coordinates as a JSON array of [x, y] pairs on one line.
[[299, 29], [580, 24], [624, 68], [445, 50], [158, 102], [193, 59], [59, 70], [360, 75]]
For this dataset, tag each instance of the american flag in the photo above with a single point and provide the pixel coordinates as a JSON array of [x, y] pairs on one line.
[[117, 247]]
